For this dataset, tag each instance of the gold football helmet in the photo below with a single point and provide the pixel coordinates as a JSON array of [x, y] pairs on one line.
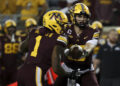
[[79, 9], [9, 23], [97, 24], [30, 22], [54, 20]]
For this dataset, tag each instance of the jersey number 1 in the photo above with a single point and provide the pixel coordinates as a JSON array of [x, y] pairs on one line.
[[37, 44]]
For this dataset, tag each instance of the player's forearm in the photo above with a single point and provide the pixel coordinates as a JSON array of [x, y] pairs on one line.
[[24, 46], [96, 63], [90, 45], [60, 71], [56, 62]]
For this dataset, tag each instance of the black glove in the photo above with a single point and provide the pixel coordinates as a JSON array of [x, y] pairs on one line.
[[72, 75]]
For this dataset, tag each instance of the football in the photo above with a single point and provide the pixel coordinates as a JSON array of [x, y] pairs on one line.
[[73, 56], [75, 52]]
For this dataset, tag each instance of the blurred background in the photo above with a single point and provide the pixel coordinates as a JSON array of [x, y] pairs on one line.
[[106, 11]]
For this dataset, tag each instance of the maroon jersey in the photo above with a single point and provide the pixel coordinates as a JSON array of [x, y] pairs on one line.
[[41, 46], [82, 39], [9, 51]]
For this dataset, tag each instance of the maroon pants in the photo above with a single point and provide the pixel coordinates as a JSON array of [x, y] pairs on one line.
[[8, 76], [31, 75], [88, 79]]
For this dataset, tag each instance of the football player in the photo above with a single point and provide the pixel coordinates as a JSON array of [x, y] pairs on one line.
[[40, 43], [30, 24], [10, 43], [79, 33]]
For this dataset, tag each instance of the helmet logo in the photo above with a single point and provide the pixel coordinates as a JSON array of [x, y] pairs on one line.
[[56, 16]]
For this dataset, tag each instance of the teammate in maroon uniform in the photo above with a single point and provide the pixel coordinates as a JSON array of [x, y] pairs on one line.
[[41, 43], [30, 24], [79, 33], [10, 43]]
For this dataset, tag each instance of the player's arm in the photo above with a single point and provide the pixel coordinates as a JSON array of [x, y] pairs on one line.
[[97, 60], [56, 60], [58, 53], [96, 63], [24, 46], [91, 44]]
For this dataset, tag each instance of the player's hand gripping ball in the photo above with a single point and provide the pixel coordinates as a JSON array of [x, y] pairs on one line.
[[75, 52]]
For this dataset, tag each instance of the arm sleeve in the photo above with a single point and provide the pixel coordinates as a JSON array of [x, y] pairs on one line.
[[93, 42], [62, 40]]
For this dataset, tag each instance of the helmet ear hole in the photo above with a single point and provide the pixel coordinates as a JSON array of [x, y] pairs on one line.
[[54, 26]]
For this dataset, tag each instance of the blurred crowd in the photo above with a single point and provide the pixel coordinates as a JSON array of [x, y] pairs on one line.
[[17, 17], [106, 11]]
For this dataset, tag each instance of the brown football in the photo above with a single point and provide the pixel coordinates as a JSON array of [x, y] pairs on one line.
[[75, 53]]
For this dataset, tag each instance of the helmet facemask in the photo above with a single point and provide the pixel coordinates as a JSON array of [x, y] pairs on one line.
[[10, 27], [11, 30]]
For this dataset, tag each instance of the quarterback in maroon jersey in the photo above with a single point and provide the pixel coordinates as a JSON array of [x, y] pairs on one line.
[[40, 43], [78, 33]]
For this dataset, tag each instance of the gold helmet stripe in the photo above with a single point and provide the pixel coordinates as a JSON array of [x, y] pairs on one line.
[[62, 39]]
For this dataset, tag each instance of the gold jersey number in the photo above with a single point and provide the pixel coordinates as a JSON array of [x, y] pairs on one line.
[[37, 44], [11, 48]]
